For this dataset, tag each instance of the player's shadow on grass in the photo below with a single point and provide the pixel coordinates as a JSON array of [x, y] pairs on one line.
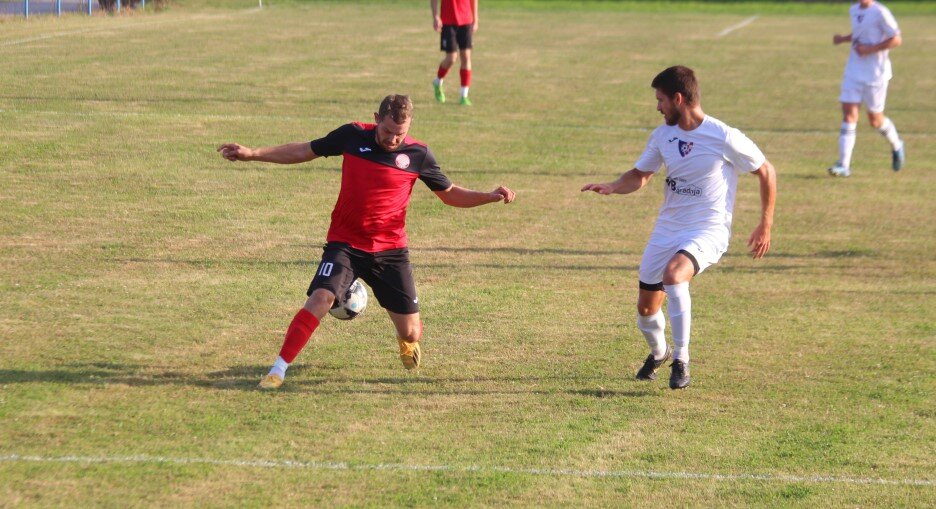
[[807, 176], [245, 378], [110, 373], [403, 387], [415, 384], [819, 261], [843, 253]]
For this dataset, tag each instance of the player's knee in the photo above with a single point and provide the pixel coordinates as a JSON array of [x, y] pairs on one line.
[[321, 299], [850, 114], [672, 275], [679, 270], [876, 121], [647, 309]]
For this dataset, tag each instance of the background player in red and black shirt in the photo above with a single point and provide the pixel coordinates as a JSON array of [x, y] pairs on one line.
[[457, 21], [367, 236]]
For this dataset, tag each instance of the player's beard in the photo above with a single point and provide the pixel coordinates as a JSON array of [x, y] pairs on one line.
[[672, 118]]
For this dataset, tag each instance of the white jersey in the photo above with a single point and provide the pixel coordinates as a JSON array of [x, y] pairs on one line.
[[702, 167], [870, 26]]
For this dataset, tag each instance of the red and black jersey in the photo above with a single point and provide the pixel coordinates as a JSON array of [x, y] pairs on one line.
[[370, 213], [457, 12]]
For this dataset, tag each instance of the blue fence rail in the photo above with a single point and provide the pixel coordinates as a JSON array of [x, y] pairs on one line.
[[27, 8]]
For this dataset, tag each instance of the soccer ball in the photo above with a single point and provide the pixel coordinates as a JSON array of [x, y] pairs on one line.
[[353, 303]]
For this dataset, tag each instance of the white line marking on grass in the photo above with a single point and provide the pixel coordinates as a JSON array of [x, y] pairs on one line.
[[549, 472], [737, 26], [50, 36], [118, 27]]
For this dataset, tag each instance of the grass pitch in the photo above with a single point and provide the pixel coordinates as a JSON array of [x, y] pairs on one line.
[[146, 283]]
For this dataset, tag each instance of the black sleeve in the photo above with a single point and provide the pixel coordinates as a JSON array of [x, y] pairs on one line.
[[432, 175], [334, 142]]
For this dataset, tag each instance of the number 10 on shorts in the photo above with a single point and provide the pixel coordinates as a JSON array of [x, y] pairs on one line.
[[325, 270]]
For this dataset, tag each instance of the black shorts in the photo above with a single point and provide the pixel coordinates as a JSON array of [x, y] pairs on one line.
[[388, 273], [455, 38]]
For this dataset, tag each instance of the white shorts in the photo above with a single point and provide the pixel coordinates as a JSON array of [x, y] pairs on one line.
[[705, 247], [872, 95]]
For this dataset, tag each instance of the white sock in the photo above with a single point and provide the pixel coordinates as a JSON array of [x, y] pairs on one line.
[[846, 143], [680, 315], [652, 327], [464, 91], [889, 131], [437, 82], [279, 368]]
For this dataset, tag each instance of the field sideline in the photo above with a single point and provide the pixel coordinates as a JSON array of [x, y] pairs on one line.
[[146, 283]]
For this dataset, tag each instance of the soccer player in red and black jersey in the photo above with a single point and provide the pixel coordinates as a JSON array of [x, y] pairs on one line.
[[367, 236], [458, 21]]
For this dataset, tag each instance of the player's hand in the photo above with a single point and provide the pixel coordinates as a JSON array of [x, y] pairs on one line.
[[598, 188], [474, 26], [502, 193], [759, 241], [437, 23], [235, 152], [839, 39], [864, 50]]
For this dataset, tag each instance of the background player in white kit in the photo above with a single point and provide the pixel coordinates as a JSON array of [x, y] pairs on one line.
[[703, 157], [867, 72]]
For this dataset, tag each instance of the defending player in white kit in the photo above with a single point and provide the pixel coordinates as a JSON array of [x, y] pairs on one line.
[[703, 158], [867, 73]]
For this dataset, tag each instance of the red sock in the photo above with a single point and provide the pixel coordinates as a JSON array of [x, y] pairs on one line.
[[298, 334], [442, 72], [465, 77]]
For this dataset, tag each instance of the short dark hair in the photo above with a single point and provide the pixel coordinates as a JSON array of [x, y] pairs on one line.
[[678, 79], [399, 107]]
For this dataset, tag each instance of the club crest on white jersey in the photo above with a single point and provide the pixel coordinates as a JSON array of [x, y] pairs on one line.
[[685, 148]]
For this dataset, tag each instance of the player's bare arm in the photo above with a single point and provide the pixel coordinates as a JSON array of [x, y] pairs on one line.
[[867, 49], [628, 182], [436, 18], [290, 153], [474, 9], [759, 242], [839, 39], [456, 196]]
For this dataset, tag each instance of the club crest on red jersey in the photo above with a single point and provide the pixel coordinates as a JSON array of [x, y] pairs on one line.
[[684, 148], [402, 161]]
